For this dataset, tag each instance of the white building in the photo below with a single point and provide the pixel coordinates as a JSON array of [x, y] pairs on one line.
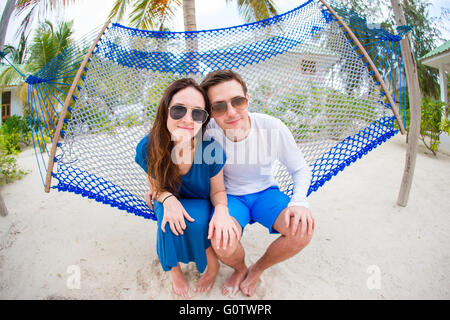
[[439, 58], [10, 102]]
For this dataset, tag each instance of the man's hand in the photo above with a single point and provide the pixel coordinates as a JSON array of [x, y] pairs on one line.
[[149, 199], [224, 227], [296, 214]]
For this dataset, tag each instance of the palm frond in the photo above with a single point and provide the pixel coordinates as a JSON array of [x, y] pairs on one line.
[[255, 10], [118, 10], [153, 14], [9, 76]]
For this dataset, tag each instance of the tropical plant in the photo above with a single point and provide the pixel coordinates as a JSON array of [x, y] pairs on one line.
[[432, 123], [47, 42], [8, 168], [423, 36], [155, 14], [37, 9]]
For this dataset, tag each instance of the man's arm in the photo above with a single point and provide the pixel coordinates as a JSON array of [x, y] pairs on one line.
[[298, 214], [291, 156]]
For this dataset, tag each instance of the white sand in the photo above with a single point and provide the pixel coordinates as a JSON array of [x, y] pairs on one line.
[[360, 231]]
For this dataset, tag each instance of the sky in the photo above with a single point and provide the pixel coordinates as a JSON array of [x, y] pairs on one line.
[[210, 14]]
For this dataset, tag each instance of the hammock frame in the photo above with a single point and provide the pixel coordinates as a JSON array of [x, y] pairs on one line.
[[59, 126], [371, 64], [57, 133]]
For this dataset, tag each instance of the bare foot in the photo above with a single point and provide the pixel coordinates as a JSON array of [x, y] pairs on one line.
[[205, 283], [231, 285], [179, 284], [248, 286]]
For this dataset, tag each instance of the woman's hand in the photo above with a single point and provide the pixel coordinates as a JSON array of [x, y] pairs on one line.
[[223, 225], [174, 214], [149, 199]]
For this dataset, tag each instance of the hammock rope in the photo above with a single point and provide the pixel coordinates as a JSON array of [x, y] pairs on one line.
[[303, 67]]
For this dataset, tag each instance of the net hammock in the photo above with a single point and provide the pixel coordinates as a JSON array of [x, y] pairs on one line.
[[300, 67]]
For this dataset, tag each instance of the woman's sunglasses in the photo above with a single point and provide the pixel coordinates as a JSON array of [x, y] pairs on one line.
[[177, 112], [220, 108]]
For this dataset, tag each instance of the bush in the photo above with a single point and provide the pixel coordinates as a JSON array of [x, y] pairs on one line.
[[12, 132], [8, 167], [432, 123], [17, 124], [10, 143]]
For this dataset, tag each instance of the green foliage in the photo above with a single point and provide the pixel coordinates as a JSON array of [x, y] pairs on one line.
[[10, 143], [131, 121], [432, 125], [16, 129], [48, 42], [157, 14], [13, 131], [8, 167]]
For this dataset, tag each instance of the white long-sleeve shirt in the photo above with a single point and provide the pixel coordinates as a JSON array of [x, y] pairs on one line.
[[248, 168]]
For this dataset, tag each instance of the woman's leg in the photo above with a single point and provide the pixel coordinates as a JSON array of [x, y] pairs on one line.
[[206, 282], [191, 246], [179, 284]]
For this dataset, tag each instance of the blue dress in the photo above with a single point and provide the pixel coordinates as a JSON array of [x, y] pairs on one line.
[[209, 159]]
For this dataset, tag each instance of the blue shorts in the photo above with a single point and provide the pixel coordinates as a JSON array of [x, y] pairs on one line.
[[263, 207]]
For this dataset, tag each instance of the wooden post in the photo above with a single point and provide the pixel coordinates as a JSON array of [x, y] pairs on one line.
[[414, 107], [3, 208], [62, 116], [371, 64]]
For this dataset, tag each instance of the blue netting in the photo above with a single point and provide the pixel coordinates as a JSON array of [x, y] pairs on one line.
[[299, 66]]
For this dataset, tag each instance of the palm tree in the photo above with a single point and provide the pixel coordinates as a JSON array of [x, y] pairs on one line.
[[6, 15], [46, 44], [155, 14], [37, 8], [17, 57]]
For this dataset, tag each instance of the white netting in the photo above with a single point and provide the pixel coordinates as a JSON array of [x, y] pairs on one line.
[[299, 67]]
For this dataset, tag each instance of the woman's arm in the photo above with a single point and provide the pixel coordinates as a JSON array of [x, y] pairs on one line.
[[221, 225], [174, 212]]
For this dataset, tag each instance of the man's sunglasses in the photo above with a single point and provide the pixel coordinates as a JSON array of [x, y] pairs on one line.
[[177, 112], [220, 108]]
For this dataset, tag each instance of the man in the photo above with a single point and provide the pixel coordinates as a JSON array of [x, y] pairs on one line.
[[252, 143]]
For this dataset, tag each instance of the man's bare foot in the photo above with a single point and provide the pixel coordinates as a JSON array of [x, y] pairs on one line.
[[179, 284], [249, 284], [205, 283], [231, 285]]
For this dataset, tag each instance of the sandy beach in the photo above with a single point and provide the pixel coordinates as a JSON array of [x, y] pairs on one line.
[[365, 246]]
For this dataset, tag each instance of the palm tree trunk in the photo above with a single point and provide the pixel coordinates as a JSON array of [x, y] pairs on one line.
[[414, 103], [191, 38], [7, 12], [189, 15]]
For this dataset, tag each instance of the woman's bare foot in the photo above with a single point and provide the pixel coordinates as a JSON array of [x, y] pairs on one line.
[[249, 284], [179, 284], [231, 285]]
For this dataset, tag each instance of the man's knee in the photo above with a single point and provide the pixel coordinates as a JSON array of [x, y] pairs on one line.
[[297, 241], [221, 252]]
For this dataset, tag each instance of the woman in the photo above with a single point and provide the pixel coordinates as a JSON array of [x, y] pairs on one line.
[[185, 175]]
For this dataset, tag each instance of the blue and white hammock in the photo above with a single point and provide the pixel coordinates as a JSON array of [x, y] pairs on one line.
[[301, 67]]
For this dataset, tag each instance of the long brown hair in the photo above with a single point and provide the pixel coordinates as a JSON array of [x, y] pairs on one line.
[[163, 173]]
